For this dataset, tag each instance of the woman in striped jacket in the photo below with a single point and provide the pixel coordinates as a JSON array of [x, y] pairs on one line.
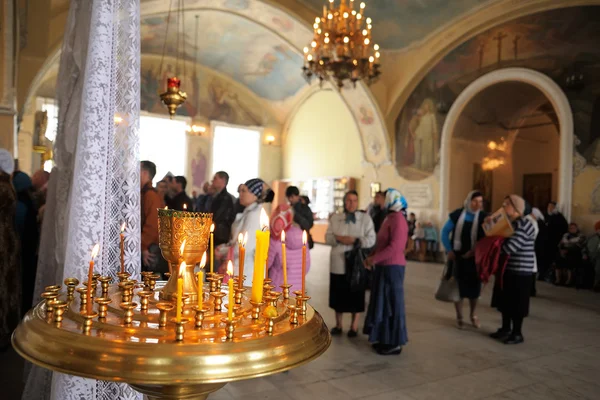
[[511, 295]]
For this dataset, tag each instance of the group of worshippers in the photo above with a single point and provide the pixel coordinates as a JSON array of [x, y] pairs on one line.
[[353, 234], [22, 201]]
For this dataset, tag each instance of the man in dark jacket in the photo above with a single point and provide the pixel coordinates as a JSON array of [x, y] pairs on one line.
[[303, 215], [557, 227], [222, 207], [180, 201]]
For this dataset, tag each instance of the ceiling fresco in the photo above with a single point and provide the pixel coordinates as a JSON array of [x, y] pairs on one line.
[[399, 23]]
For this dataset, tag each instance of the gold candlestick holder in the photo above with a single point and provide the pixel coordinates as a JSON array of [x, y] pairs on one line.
[[293, 314], [179, 329], [239, 293], [87, 321], [152, 281], [103, 303], [164, 307], [173, 228], [267, 281], [59, 310], [199, 316], [267, 288], [301, 302], [270, 324], [229, 328], [275, 298], [123, 276], [127, 290], [71, 284], [52, 288], [255, 309], [144, 296], [50, 298], [82, 298], [218, 300], [146, 277], [286, 291], [105, 283], [128, 307]]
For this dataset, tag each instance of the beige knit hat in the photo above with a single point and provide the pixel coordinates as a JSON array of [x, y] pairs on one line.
[[518, 203]]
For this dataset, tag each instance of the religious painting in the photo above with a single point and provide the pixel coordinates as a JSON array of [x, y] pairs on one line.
[[366, 115], [537, 189], [237, 47], [560, 43], [199, 169], [483, 181]]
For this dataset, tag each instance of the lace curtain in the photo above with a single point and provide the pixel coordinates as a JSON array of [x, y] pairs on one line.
[[94, 187]]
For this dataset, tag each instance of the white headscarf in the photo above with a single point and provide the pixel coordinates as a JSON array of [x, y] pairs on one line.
[[539, 216], [7, 162], [456, 238]]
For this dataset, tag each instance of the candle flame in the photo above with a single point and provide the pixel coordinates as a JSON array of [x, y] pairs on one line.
[[95, 250], [123, 227], [212, 228], [182, 247], [304, 238], [283, 236], [166, 208], [229, 268], [184, 206], [264, 220], [245, 239], [182, 269], [203, 261], [240, 238]]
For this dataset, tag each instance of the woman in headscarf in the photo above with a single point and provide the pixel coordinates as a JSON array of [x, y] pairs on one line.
[[282, 220], [511, 294], [459, 236], [572, 253], [253, 194], [386, 318], [10, 280], [352, 227], [28, 230]]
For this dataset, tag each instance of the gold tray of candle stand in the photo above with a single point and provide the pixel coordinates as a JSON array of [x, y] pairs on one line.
[[150, 359]]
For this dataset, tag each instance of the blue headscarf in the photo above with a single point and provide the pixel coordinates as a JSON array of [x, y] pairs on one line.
[[394, 201], [21, 181]]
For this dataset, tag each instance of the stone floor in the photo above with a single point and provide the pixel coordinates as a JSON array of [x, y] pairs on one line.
[[559, 360]]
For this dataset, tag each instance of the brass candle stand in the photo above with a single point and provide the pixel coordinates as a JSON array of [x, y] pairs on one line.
[[286, 291], [171, 362]]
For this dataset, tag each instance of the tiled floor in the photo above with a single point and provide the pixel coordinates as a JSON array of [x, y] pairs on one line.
[[559, 360]]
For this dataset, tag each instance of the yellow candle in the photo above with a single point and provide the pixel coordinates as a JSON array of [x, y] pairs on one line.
[[230, 283], [212, 248], [122, 248], [90, 275], [242, 253], [304, 240], [260, 258], [283, 258], [201, 280], [180, 291]]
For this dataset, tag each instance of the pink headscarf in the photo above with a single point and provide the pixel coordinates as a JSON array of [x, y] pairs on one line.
[[281, 220]]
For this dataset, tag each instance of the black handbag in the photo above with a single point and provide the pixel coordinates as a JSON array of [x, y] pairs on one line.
[[356, 273]]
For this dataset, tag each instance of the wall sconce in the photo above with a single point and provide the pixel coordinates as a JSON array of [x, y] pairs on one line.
[[195, 129], [270, 139]]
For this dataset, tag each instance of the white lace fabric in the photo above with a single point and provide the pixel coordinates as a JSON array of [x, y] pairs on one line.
[[94, 187]]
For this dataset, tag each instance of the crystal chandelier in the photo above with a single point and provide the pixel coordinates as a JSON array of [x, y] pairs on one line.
[[496, 157], [342, 49]]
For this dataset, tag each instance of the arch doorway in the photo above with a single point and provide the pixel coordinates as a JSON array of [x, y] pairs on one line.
[[510, 131]]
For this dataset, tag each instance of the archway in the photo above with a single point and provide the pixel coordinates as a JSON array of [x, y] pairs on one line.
[[559, 103]]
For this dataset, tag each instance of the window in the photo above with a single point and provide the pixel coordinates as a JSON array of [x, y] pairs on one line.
[[236, 151], [51, 109], [163, 141]]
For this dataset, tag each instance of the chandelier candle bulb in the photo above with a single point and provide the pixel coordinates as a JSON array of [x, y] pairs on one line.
[[179, 299], [304, 240], [90, 276], [212, 248], [242, 239], [283, 258], [122, 237], [230, 283], [201, 280]]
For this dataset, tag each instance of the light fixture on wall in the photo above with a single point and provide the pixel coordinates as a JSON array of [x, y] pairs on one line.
[[342, 49], [195, 129], [496, 157], [173, 98], [270, 139]]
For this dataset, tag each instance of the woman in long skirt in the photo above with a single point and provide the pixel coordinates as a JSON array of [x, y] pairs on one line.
[[346, 230], [386, 318]]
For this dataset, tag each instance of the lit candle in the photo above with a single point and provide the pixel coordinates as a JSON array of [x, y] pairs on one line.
[[201, 280], [90, 275], [283, 258], [212, 248], [304, 239], [184, 207], [122, 236], [242, 256], [180, 290], [260, 258], [230, 283]]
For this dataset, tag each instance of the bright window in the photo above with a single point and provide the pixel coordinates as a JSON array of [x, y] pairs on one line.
[[51, 109], [163, 141], [236, 151]]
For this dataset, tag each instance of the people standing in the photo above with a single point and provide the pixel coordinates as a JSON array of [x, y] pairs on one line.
[[282, 220], [151, 201], [222, 207], [303, 215], [459, 236], [572, 254], [377, 210], [205, 199], [180, 200], [512, 290], [346, 230], [557, 227], [386, 318]]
